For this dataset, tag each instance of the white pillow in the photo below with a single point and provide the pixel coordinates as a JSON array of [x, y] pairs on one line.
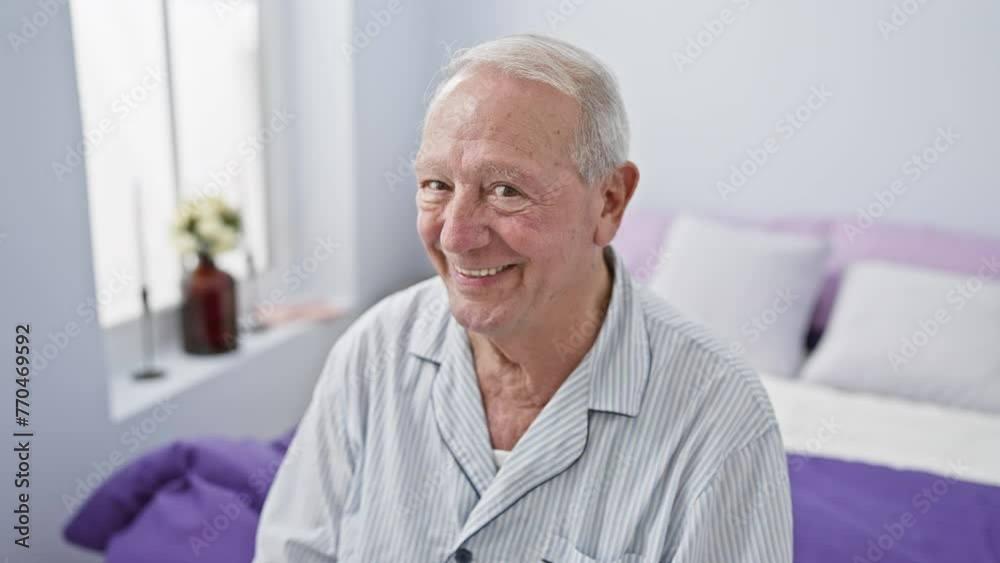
[[913, 333], [754, 289]]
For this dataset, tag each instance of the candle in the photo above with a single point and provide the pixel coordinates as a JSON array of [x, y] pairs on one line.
[[146, 370], [140, 241]]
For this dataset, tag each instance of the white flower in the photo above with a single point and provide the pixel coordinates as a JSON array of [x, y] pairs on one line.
[[225, 240], [209, 227], [206, 225], [186, 243]]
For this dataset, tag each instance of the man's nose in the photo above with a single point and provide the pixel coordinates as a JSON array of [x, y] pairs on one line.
[[464, 228]]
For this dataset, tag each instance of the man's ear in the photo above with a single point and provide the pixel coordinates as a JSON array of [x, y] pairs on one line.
[[616, 192]]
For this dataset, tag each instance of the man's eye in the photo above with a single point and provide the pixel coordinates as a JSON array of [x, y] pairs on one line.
[[504, 190], [435, 185]]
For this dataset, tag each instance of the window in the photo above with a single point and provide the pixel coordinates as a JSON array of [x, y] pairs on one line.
[[171, 105]]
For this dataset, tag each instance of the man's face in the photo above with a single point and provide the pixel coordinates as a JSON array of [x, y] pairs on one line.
[[503, 213]]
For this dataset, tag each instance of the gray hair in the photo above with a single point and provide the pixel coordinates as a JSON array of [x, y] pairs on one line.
[[602, 136]]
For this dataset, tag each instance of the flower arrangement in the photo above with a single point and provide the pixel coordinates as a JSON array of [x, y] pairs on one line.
[[206, 226]]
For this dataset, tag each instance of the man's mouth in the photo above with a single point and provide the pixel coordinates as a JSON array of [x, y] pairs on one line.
[[483, 272]]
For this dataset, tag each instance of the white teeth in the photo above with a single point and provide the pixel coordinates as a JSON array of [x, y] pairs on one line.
[[481, 273]]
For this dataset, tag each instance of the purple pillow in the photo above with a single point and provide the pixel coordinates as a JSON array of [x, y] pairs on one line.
[[160, 499]]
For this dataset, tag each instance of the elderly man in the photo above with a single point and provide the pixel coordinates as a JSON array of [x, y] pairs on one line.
[[529, 403]]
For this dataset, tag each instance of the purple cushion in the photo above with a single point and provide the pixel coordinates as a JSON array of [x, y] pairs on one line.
[[642, 233], [194, 500], [189, 520]]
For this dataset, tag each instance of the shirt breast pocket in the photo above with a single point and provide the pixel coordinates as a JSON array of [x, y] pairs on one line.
[[562, 550]]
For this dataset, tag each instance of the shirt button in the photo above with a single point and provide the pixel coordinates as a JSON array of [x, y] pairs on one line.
[[463, 555]]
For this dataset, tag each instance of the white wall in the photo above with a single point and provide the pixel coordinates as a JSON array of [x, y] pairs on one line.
[[391, 75], [941, 69], [45, 261], [322, 154]]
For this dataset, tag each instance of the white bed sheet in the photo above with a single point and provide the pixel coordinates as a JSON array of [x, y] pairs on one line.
[[826, 422]]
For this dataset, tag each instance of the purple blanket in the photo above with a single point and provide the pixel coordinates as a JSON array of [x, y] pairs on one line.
[[853, 512], [200, 501]]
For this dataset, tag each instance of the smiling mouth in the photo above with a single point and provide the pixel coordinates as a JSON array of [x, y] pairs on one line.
[[482, 273]]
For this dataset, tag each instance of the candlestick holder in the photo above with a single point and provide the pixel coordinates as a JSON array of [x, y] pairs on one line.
[[148, 369], [256, 323]]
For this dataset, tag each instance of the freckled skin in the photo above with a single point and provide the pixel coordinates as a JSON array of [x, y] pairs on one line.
[[497, 186]]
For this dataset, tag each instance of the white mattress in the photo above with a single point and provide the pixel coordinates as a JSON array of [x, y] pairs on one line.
[[826, 422]]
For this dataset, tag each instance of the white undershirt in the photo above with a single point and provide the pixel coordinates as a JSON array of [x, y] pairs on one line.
[[500, 456]]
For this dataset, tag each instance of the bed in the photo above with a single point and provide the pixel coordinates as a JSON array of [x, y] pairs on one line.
[[859, 464], [888, 467]]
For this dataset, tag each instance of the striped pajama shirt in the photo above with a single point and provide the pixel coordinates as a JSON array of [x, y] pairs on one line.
[[657, 447]]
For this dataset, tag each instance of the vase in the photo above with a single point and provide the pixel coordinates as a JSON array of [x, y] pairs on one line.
[[208, 312]]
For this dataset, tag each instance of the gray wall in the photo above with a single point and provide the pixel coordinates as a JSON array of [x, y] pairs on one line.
[[690, 125], [391, 76], [45, 259]]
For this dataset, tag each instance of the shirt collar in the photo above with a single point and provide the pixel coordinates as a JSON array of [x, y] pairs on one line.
[[618, 361], [621, 352]]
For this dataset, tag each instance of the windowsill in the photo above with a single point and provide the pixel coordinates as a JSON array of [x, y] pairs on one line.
[[129, 396]]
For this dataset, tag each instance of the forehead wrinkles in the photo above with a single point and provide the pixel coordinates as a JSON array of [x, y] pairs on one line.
[[532, 118], [507, 153], [523, 139]]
